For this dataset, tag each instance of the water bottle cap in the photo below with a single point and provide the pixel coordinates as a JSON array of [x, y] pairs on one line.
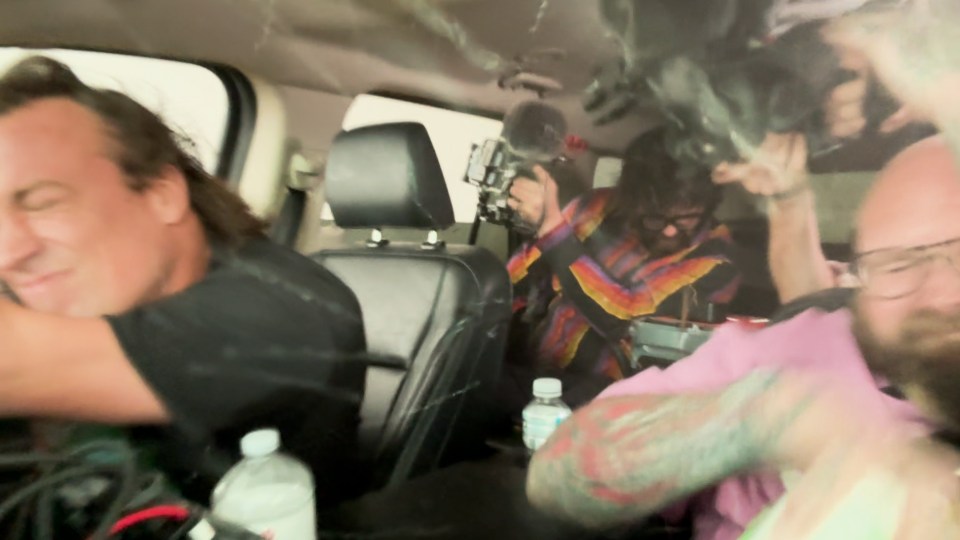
[[260, 443], [547, 388]]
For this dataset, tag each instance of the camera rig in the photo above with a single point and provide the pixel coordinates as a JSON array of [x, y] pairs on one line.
[[492, 168]]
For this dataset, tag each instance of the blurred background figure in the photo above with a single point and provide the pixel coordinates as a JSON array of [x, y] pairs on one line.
[[649, 246]]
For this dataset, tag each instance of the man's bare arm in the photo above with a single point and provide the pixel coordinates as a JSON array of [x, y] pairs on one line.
[[621, 459], [778, 172], [797, 262], [61, 367]]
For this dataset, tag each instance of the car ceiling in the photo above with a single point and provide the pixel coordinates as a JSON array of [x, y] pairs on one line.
[[451, 51]]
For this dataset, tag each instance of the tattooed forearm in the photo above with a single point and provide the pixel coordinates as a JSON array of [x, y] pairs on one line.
[[620, 459]]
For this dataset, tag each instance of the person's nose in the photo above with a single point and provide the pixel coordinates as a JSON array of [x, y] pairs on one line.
[[670, 231], [18, 242]]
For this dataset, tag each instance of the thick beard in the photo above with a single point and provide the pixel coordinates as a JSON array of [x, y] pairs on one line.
[[924, 357], [652, 241]]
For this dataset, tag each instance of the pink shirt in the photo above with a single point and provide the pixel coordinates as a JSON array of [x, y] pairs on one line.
[[817, 343]]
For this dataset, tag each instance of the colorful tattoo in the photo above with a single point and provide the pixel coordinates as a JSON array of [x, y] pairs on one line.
[[621, 459]]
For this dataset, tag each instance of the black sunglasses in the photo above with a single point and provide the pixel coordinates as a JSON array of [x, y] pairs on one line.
[[683, 222]]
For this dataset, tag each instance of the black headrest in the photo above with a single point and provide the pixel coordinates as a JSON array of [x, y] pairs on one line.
[[387, 176]]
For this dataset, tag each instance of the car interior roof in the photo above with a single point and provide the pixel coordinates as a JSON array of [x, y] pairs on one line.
[[405, 47], [451, 52]]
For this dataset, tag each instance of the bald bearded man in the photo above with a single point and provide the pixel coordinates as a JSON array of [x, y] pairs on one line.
[[718, 429], [907, 322]]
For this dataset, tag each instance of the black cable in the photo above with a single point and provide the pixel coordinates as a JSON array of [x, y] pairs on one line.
[[43, 506], [43, 523], [85, 461], [28, 460], [35, 502], [127, 486], [19, 529], [23, 494], [152, 487]]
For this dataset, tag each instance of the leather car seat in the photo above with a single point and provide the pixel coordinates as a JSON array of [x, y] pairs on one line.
[[435, 315]]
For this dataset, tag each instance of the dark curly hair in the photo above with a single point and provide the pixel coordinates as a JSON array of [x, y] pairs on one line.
[[143, 144], [654, 181]]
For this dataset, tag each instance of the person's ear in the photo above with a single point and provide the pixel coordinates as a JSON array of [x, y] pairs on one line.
[[169, 196]]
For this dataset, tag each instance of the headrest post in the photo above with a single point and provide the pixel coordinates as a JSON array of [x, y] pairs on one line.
[[376, 239], [433, 241]]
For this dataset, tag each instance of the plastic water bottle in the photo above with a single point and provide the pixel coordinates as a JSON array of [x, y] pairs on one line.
[[268, 492], [542, 416]]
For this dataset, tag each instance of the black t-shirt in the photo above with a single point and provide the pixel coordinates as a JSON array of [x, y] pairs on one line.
[[267, 338]]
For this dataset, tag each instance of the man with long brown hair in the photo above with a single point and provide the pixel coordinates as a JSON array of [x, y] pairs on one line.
[[146, 293]]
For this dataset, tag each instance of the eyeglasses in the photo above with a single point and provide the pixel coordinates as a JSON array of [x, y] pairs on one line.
[[898, 272], [659, 222]]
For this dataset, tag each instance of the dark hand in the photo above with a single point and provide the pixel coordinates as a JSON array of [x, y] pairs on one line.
[[537, 201]]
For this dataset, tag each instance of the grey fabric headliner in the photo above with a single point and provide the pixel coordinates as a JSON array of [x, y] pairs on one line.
[[348, 46]]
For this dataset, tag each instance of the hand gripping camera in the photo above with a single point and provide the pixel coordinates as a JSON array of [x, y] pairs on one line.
[[533, 133]]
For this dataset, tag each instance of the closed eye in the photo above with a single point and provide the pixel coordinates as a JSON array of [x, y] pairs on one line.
[[41, 196]]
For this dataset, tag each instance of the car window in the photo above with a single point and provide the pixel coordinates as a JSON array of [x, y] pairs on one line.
[[607, 171], [189, 97]]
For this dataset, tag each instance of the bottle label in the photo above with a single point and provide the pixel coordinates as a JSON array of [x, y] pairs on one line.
[[539, 423]]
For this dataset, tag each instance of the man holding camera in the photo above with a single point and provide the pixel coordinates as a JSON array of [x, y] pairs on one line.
[[649, 246]]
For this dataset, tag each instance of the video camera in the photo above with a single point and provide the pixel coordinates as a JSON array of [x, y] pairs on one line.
[[533, 134]]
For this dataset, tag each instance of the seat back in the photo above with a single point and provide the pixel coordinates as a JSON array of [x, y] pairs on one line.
[[435, 316]]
